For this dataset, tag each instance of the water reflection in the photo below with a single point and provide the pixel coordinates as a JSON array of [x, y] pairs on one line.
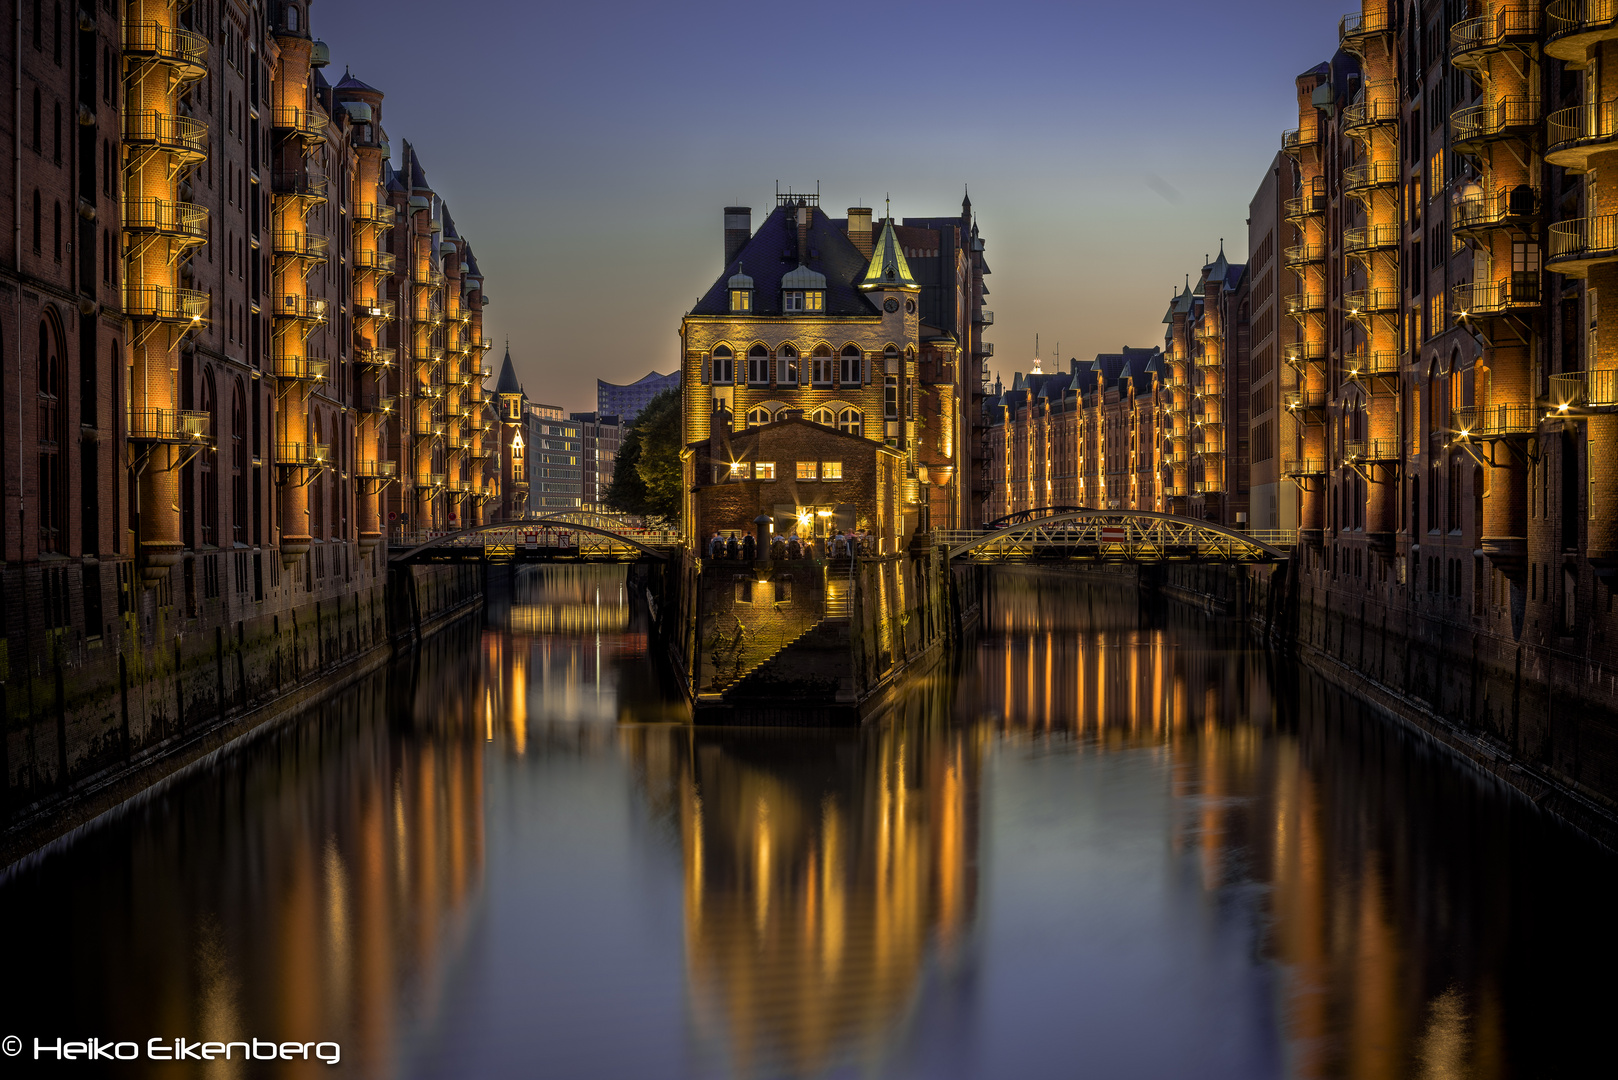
[[1108, 842]]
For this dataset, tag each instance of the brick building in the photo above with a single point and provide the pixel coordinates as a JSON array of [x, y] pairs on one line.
[[600, 435]]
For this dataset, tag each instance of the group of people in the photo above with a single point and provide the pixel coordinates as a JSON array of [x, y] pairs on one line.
[[741, 546]]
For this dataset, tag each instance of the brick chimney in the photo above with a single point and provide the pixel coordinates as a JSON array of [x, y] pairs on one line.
[[859, 228], [738, 230], [805, 215]]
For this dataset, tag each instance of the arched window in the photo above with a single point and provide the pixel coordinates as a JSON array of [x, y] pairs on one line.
[[292, 17], [37, 249], [757, 416], [238, 464], [823, 365], [851, 374], [209, 464], [39, 144], [824, 416], [56, 136], [58, 233], [52, 504], [851, 421], [724, 365], [758, 366], [788, 375]]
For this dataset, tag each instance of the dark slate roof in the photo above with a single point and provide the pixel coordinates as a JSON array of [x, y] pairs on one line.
[[350, 83], [469, 265], [507, 383], [391, 177], [772, 253], [449, 225], [418, 179]]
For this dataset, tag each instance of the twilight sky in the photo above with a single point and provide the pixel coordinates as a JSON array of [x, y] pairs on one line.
[[587, 149]]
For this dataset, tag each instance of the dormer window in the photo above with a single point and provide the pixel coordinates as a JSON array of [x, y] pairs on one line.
[[801, 300], [741, 301]]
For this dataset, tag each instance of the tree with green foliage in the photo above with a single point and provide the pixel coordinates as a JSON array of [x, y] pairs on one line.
[[647, 478]]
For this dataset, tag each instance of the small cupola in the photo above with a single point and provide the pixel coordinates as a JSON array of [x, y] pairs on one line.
[[803, 290], [888, 269], [741, 292]]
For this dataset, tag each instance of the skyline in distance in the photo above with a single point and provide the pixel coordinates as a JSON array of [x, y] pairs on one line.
[[589, 153]]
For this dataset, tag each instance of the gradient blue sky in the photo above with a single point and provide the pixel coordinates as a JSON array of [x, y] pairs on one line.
[[587, 150]]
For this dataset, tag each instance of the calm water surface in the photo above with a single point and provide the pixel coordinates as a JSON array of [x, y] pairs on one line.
[[1103, 846]]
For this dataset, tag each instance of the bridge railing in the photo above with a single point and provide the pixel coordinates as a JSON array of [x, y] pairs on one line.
[[1117, 537]]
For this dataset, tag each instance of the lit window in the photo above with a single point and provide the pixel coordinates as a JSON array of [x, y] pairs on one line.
[[741, 470], [765, 470], [831, 470], [814, 300], [808, 470], [757, 415], [741, 300]]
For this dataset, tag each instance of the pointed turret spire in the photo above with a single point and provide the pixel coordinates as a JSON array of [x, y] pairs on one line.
[[507, 383], [888, 269]]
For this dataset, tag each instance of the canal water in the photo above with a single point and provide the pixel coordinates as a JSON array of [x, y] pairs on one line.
[[1101, 842]]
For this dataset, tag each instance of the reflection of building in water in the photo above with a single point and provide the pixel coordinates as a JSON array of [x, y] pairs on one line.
[[820, 884], [1257, 802]]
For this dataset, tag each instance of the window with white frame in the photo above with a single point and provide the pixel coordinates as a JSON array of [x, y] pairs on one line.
[[724, 362], [808, 470], [758, 366], [831, 470], [764, 470], [851, 421], [851, 374], [822, 365]]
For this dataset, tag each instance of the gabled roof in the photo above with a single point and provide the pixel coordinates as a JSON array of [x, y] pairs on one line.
[[888, 269], [449, 224], [507, 383], [772, 253], [348, 82]]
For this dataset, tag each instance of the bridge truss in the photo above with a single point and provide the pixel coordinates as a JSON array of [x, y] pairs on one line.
[[1121, 536], [560, 539]]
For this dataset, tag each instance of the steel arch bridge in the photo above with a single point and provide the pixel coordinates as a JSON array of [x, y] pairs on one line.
[[1114, 536], [562, 538]]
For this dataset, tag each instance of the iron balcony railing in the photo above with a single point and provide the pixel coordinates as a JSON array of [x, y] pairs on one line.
[[382, 262], [1369, 174], [1298, 353], [301, 368], [1362, 302], [1303, 303], [372, 308], [1573, 134], [374, 358], [1493, 120], [1585, 239], [1584, 390], [431, 480], [1378, 103], [183, 136], [180, 49], [1303, 467], [1357, 25], [457, 438], [1303, 254], [302, 308], [1362, 362], [310, 124], [1497, 208], [165, 304], [426, 354], [1572, 26], [375, 403], [1174, 491], [1371, 450], [1496, 297], [1370, 238], [1494, 421], [168, 425], [1471, 39], [177, 220], [1296, 139], [1207, 487], [298, 184], [375, 214], [428, 426], [1301, 206], [982, 348], [303, 454], [429, 278], [1306, 399], [287, 244], [985, 317], [377, 470]]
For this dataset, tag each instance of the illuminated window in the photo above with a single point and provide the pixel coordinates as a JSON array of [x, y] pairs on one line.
[[741, 470], [798, 300], [851, 421], [823, 416], [808, 470], [764, 470], [831, 470], [758, 415], [741, 301]]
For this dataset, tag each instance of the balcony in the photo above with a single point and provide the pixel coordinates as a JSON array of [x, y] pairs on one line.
[[428, 278], [152, 42], [1363, 363], [299, 368], [1305, 400], [310, 125], [1584, 390], [982, 348], [1301, 304], [431, 480], [307, 309], [378, 214], [426, 355], [1495, 421], [1303, 206], [298, 184], [377, 470], [376, 359], [375, 404], [1500, 209], [178, 221], [1207, 487], [1363, 303], [1377, 104], [429, 391], [1486, 299], [1510, 118], [1358, 27], [1368, 175], [1367, 238], [381, 262], [1304, 254], [1471, 42], [1574, 135], [428, 427], [1574, 27], [457, 438], [1371, 450], [182, 136], [303, 455], [168, 426], [300, 245], [1581, 243], [486, 345], [1296, 141], [370, 308], [1300, 353], [1304, 467], [164, 304]]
